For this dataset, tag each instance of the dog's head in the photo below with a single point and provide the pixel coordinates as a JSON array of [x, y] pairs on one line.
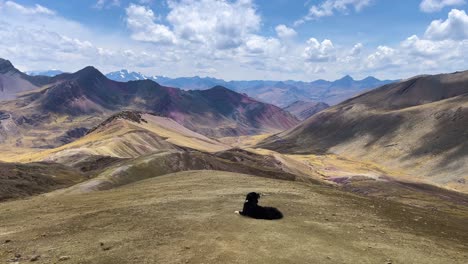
[[252, 197]]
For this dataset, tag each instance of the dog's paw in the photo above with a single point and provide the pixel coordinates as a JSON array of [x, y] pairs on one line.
[[237, 212]]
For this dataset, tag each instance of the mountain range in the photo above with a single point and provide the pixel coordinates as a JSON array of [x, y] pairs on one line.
[[417, 126], [280, 93], [50, 111]]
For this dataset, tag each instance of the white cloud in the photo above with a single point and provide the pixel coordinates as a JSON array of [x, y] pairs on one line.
[[141, 21], [329, 7], [260, 45], [319, 52], [25, 10], [426, 48], [106, 3], [285, 32], [357, 49], [430, 6], [454, 27], [221, 38], [384, 56], [219, 24]]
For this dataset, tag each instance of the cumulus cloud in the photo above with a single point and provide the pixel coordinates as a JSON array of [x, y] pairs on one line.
[[220, 24], [222, 38], [141, 21], [319, 52], [357, 49], [426, 48], [260, 45], [454, 27], [384, 56], [106, 3], [430, 6], [329, 7], [285, 32], [26, 10]]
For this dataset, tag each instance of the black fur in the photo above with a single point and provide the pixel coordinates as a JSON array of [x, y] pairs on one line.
[[252, 209]]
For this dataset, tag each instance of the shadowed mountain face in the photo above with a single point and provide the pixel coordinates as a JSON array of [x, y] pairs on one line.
[[13, 82], [415, 91], [60, 105], [418, 125], [216, 112], [304, 110]]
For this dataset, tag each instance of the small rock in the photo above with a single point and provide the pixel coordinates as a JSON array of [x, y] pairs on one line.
[[328, 257], [7, 241], [64, 258], [388, 261], [105, 248], [34, 258], [17, 255]]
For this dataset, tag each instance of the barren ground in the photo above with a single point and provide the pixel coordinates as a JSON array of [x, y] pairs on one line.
[[188, 217]]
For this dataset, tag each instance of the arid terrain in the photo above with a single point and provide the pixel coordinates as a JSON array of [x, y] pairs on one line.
[[188, 217], [152, 174]]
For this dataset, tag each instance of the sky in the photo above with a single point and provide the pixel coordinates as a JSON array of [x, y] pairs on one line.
[[239, 39]]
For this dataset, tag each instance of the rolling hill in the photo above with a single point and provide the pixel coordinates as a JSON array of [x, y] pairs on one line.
[[127, 135], [418, 126]]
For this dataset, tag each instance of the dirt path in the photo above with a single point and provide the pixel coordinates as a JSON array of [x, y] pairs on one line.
[[188, 218]]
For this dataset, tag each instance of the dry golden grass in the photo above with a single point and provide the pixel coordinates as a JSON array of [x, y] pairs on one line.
[[189, 217]]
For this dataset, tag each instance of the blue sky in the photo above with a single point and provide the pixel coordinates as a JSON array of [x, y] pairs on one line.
[[238, 39]]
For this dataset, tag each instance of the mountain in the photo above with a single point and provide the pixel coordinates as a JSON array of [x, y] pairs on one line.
[[192, 83], [418, 126], [49, 73], [346, 81], [303, 110], [125, 76], [13, 82], [280, 93], [70, 103]]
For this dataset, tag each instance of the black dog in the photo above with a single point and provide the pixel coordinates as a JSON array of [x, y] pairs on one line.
[[252, 209]]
